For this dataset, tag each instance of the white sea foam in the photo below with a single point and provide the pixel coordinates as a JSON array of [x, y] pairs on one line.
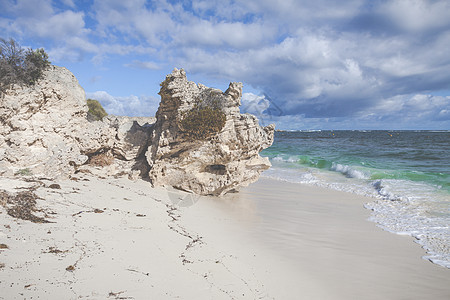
[[399, 206], [290, 159], [349, 171]]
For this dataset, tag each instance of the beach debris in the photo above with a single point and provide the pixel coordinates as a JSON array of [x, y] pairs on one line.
[[117, 295], [55, 250], [140, 272], [22, 206], [70, 268], [54, 186], [4, 246], [101, 159]]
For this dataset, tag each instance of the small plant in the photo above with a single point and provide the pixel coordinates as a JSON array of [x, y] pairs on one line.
[[96, 111], [24, 172], [19, 66], [202, 122]]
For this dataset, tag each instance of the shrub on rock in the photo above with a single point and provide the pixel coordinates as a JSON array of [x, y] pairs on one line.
[[202, 122], [96, 111], [19, 66]]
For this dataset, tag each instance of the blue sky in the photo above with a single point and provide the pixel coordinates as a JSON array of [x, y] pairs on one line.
[[320, 64]]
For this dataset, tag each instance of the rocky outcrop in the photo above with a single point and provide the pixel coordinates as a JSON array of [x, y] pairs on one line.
[[129, 137], [213, 165], [44, 130]]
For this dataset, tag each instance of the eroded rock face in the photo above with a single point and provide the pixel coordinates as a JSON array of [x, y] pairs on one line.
[[210, 166], [44, 129]]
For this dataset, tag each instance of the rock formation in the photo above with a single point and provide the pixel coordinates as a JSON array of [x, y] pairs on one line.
[[199, 141], [44, 129], [211, 165]]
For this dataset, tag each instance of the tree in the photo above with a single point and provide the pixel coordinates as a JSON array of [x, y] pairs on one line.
[[19, 66]]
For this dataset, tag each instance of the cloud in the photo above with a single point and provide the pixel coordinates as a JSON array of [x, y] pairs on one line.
[[235, 35], [132, 106], [69, 3], [45, 22], [359, 60], [417, 15], [137, 64]]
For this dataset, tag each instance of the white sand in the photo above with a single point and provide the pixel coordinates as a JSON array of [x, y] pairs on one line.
[[271, 241]]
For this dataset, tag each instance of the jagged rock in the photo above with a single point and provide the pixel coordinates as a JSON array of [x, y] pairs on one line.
[[214, 165], [38, 124], [44, 129], [131, 136]]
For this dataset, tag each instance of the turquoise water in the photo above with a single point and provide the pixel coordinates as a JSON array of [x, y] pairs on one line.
[[407, 173]]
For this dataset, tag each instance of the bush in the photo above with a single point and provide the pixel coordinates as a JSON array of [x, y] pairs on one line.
[[202, 122], [96, 111], [19, 66], [24, 172]]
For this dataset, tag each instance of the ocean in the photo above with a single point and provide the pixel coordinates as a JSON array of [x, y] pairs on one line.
[[406, 173]]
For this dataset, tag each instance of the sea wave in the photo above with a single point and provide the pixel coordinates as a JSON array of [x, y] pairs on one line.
[[349, 171], [400, 205]]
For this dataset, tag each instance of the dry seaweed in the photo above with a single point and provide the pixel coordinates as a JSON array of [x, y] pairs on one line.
[[21, 206], [55, 250], [70, 268]]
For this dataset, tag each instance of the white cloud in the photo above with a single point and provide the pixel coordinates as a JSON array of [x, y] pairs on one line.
[[417, 15], [133, 106], [45, 22], [322, 60], [236, 35], [69, 3], [137, 64]]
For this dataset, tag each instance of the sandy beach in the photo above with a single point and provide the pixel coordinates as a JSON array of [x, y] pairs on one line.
[[122, 239]]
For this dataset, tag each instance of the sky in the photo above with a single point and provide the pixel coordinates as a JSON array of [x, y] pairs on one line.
[[320, 64]]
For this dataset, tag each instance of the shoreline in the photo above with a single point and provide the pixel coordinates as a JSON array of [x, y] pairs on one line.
[[272, 240], [325, 229]]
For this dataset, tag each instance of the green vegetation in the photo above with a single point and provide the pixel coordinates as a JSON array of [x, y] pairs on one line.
[[19, 66], [24, 172], [202, 122], [96, 111]]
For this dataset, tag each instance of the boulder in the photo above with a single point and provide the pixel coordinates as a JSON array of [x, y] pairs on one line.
[[211, 163]]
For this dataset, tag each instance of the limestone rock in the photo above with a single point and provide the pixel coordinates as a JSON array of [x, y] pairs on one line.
[[44, 129], [127, 148], [217, 164], [38, 125]]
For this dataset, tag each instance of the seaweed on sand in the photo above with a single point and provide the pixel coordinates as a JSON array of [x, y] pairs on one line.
[[21, 206]]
